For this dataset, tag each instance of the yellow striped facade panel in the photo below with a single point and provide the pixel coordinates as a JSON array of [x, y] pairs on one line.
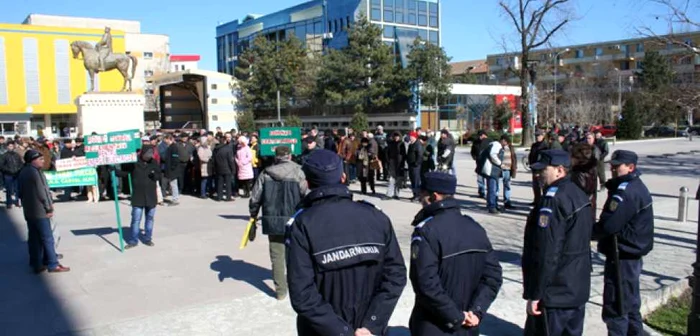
[[51, 66]]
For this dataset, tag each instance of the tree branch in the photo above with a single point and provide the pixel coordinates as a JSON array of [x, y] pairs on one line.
[[512, 16], [549, 35]]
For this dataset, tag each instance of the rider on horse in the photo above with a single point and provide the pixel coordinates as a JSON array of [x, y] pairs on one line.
[[104, 48]]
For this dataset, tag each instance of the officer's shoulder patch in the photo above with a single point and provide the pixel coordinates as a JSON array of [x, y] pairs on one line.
[[370, 204], [545, 216], [414, 251], [622, 186], [615, 202], [551, 191], [291, 220], [421, 224]]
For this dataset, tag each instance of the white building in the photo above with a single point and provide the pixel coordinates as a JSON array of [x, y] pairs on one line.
[[184, 62]]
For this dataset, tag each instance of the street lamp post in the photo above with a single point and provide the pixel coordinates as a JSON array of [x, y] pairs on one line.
[[556, 75], [619, 92], [278, 79]]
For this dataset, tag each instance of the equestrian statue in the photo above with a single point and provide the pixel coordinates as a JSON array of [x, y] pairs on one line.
[[100, 59]]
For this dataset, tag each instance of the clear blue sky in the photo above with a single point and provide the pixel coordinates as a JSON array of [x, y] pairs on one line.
[[471, 29]]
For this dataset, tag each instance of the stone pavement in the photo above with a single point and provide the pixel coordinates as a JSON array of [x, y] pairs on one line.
[[196, 281]]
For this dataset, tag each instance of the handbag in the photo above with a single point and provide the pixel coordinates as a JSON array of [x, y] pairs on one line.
[[374, 164]]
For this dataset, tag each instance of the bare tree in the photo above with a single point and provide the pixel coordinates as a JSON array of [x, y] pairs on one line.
[[586, 102], [536, 22], [678, 21]]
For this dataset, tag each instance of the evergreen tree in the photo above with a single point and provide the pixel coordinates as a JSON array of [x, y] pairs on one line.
[[501, 117], [430, 65], [359, 75], [267, 66], [246, 121], [630, 126], [292, 121], [656, 72], [359, 122]]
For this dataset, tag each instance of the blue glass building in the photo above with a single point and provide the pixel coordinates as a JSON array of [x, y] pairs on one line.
[[324, 23]]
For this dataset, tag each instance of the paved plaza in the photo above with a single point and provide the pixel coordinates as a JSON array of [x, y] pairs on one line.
[[195, 280]]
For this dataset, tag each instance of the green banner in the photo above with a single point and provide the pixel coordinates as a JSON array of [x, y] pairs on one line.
[[71, 178], [272, 137], [112, 148]]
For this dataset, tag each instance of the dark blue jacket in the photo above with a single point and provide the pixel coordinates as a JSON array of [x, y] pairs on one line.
[[344, 266], [453, 269], [628, 212], [556, 253]]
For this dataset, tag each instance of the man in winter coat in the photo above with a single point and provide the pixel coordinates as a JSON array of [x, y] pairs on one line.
[[173, 167], [414, 159], [479, 145], [278, 190], [446, 152], [225, 166], [537, 147], [145, 174], [489, 166], [10, 165], [396, 158]]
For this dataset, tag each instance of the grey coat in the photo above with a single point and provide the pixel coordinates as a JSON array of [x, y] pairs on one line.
[[278, 190], [34, 193]]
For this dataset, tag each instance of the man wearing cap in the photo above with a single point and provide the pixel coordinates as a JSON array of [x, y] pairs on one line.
[[628, 218], [414, 160], [556, 253], [454, 270], [344, 267], [537, 147], [309, 146], [38, 211], [446, 152], [278, 190]]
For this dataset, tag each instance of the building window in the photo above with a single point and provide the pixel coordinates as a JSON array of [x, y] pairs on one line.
[[422, 20], [342, 24], [640, 65], [213, 87], [423, 34], [599, 51], [147, 55], [399, 9], [411, 18], [347, 21], [422, 6], [433, 15], [376, 14], [214, 101], [148, 73], [625, 65], [149, 92], [330, 26], [411, 4], [579, 53], [433, 37], [182, 67], [389, 31], [640, 47]]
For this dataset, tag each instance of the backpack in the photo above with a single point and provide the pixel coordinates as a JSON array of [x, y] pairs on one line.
[[183, 153]]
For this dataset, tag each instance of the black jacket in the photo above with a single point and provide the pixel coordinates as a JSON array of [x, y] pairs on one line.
[[223, 159], [556, 253], [278, 190], [396, 157], [628, 212], [414, 155], [453, 269], [535, 150], [34, 193], [446, 151], [344, 273], [144, 176], [479, 146], [173, 166], [11, 163]]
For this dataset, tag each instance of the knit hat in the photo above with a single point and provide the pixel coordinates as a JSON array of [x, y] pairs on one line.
[[31, 155], [440, 183], [323, 167]]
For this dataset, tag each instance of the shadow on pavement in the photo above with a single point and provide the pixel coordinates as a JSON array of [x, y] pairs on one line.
[[27, 304], [509, 257], [102, 232], [243, 271], [242, 217], [495, 326]]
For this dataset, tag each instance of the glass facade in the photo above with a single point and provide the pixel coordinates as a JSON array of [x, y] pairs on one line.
[[401, 21]]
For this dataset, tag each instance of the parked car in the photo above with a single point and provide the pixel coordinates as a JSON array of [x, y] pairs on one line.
[[693, 130], [664, 131], [606, 130]]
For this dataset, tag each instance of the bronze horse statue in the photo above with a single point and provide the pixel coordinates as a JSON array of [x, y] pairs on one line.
[[120, 62]]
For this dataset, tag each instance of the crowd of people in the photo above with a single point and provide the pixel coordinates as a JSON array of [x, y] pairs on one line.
[[344, 276]]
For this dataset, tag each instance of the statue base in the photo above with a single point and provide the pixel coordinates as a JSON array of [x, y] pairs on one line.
[[103, 112]]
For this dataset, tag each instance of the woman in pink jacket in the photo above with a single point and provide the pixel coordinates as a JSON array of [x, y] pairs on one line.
[[244, 160]]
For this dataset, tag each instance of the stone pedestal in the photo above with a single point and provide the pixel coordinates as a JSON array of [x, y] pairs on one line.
[[103, 112]]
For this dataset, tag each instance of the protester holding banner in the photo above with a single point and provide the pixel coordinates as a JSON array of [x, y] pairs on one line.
[[38, 211], [145, 174]]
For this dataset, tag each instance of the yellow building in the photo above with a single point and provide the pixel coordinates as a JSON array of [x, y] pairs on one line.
[[40, 79]]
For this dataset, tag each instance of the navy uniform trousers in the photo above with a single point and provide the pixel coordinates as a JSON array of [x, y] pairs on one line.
[[629, 323], [556, 322]]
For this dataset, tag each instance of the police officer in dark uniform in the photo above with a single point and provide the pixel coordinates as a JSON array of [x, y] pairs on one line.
[[625, 230], [454, 270], [344, 266], [556, 253], [537, 147]]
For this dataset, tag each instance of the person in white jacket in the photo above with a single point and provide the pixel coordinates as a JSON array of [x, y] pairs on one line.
[[491, 171]]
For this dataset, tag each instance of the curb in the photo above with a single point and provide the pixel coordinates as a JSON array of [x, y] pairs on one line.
[[658, 298]]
